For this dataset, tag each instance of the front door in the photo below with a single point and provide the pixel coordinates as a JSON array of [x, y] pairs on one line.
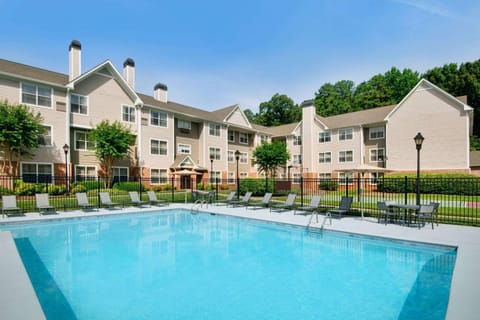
[[185, 182]]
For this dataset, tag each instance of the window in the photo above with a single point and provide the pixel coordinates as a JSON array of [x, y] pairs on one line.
[[345, 134], [158, 147], [263, 138], [231, 177], [37, 172], [78, 104], [231, 156], [184, 148], [214, 129], [215, 153], [36, 95], [297, 177], [345, 156], [243, 138], [374, 176], [376, 133], [324, 137], [325, 157], [324, 176], [214, 175], [120, 174], [297, 140], [128, 113], [183, 124], [83, 173], [297, 159], [231, 136], [243, 158], [243, 175], [343, 176], [377, 155], [157, 119], [158, 176], [45, 139], [82, 143]]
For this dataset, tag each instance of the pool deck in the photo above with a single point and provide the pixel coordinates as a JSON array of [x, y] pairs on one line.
[[18, 299]]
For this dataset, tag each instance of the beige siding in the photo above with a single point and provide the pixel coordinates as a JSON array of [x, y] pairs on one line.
[[190, 137], [237, 119], [150, 132], [443, 125]]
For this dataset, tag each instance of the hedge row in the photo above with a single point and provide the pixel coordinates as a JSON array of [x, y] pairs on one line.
[[431, 183]]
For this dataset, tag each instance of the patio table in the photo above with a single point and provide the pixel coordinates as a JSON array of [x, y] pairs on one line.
[[407, 210]]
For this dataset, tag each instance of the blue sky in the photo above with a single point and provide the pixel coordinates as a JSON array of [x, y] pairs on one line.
[[212, 54]]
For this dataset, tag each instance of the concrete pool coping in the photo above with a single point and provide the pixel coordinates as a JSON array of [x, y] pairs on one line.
[[17, 294]]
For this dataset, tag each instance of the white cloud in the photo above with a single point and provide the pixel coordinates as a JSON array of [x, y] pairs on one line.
[[429, 7]]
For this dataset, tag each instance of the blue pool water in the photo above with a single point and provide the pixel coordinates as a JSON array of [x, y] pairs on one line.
[[175, 265]]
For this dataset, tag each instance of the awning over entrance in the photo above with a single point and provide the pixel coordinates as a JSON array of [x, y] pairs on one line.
[[185, 166]]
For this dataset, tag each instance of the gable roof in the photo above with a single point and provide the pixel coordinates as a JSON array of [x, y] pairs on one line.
[[357, 118], [18, 70]]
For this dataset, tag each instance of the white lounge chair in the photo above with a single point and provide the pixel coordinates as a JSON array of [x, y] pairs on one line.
[[228, 199], [9, 204], [288, 205], [106, 201], [43, 203], [312, 206], [135, 199], [82, 200], [265, 203], [152, 197]]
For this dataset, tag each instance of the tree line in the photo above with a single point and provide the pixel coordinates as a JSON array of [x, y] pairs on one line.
[[380, 90]]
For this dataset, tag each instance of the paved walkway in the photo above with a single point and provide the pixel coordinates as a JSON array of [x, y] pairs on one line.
[[464, 291]]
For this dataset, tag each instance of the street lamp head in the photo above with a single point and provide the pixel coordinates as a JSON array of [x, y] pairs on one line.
[[66, 148], [237, 154], [212, 157], [418, 140]]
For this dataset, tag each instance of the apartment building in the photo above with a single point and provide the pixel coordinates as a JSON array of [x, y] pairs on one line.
[[182, 141]]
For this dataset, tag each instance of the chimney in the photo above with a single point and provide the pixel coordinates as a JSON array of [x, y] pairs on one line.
[[160, 92], [129, 72], [308, 136], [75, 60]]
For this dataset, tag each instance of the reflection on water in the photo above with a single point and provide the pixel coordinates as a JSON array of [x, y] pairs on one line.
[[97, 263]]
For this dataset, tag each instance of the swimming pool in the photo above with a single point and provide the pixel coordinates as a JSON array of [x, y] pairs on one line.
[[175, 265]]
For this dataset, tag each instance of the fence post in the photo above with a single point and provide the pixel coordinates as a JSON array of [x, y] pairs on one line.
[[98, 191], [140, 186], [173, 189], [216, 189], [406, 189], [358, 188], [301, 189], [346, 188]]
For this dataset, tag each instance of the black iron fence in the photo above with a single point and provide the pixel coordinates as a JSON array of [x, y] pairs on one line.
[[459, 198]]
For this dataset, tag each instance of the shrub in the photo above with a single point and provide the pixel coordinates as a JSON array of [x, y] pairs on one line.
[[5, 191], [85, 185], [129, 186], [257, 186], [167, 187], [157, 188], [27, 188], [329, 185], [200, 186], [79, 188], [54, 189], [431, 183]]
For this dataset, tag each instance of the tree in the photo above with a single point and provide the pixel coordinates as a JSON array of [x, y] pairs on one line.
[[20, 130], [112, 142], [270, 156], [280, 109], [333, 99], [250, 115]]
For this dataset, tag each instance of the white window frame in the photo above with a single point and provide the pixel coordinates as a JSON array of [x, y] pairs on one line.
[[80, 105], [374, 155], [119, 168], [216, 152], [231, 177], [374, 176], [297, 159], [243, 175], [296, 177], [131, 118], [85, 176], [342, 176], [345, 134], [158, 177], [345, 155], [325, 156], [263, 138], [160, 141], [50, 143], [214, 129], [183, 148], [37, 164], [87, 142], [37, 95], [160, 117], [184, 124], [243, 138], [243, 158], [325, 137], [325, 176], [231, 136], [297, 140], [376, 133], [231, 156]]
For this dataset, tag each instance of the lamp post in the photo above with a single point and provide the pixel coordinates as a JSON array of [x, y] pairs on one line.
[[418, 143], [66, 148], [237, 157], [211, 168]]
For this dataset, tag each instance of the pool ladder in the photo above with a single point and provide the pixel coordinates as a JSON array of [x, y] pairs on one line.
[[328, 216], [198, 204]]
